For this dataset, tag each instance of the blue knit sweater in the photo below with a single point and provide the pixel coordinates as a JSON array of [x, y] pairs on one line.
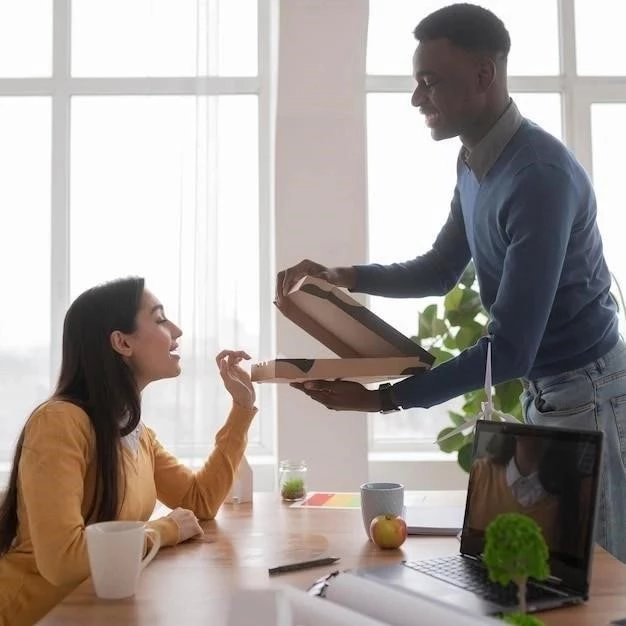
[[530, 227]]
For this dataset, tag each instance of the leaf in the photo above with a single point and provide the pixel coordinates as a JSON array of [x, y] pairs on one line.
[[521, 619], [507, 395], [441, 356], [469, 275], [449, 342], [453, 443], [473, 402], [460, 318], [453, 299], [470, 303], [464, 457], [468, 335], [453, 317], [440, 328], [426, 319], [457, 418]]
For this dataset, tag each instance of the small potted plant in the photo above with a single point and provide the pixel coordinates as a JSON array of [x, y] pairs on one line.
[[515, 550], [292, 489]]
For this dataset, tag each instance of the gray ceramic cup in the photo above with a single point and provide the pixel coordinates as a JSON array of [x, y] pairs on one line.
[[380, 499]]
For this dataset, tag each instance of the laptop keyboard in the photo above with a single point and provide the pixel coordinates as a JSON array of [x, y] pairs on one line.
[[473, 577]]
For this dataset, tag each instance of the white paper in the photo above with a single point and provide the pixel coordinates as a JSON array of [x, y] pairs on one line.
[[397, 608], [313, 611], [261, 607], [287, 606]]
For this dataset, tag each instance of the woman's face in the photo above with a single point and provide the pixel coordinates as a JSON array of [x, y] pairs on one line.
[[151, 350]]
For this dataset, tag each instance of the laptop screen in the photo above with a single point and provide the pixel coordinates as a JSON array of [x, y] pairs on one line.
[[549, 474]]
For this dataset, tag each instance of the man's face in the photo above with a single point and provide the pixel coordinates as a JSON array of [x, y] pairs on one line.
[[450, 89]]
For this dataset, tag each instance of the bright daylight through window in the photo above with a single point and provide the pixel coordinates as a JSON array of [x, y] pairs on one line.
[[161, 109]]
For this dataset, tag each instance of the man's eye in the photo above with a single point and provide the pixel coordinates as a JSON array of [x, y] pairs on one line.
[[426, 85], [161, 320]]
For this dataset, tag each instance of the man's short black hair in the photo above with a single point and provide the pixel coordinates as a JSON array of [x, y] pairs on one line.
[[467, 26]]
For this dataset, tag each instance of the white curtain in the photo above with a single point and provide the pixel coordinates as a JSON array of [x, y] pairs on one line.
[[160, 148]]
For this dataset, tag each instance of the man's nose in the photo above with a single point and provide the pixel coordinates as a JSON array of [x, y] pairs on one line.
[[417, 98]]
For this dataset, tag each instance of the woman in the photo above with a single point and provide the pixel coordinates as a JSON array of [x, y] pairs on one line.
[[85, 456]]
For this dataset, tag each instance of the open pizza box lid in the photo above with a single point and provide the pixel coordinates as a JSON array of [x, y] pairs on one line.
[[370, 348]]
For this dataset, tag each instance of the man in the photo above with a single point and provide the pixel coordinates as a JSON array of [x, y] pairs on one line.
[[524, 211]]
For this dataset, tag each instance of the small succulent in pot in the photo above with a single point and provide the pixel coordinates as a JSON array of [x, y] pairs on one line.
[[292, 489]]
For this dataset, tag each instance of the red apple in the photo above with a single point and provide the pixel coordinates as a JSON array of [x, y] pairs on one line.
[[388, 531]]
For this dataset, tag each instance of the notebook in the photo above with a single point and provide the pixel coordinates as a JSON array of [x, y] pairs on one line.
[[434, 519], [550, 474]]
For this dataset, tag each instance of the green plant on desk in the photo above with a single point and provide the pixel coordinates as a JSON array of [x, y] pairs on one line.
[[515, 550], [292, 489]]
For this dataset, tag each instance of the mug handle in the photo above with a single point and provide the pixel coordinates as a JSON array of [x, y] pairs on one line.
[[155, 540]]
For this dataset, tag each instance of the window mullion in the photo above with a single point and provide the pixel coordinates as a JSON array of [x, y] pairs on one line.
[[567, 48], [59, 207], [267, 53]]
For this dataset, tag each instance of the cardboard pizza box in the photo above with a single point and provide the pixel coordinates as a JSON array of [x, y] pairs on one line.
[[371, 350]]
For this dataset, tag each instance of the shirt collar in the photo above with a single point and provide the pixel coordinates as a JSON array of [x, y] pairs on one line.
[[527, 490], [512, 473], [485, 153]]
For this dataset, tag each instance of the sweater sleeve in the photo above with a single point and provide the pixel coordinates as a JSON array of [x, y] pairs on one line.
[[537, 222], [52, 472], [203, 491], [432, 274]]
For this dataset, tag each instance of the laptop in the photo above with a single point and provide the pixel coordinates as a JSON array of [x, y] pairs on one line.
[[552, 475]]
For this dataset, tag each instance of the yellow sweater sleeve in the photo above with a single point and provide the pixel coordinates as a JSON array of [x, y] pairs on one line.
[[203, 491], [52, 471]]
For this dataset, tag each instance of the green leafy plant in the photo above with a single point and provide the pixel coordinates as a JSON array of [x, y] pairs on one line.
[[515, 551], [292, 489], [461, 323]]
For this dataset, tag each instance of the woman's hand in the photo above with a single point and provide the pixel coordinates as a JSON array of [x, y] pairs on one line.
[[187, 523], [236, 380]]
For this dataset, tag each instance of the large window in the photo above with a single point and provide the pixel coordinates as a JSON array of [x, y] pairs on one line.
[[131, 143], [576, 91]]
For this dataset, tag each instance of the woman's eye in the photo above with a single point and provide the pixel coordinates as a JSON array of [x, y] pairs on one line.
[[161, 320]]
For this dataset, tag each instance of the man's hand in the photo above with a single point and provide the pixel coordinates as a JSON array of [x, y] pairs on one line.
[[339, 276], [341, 395]]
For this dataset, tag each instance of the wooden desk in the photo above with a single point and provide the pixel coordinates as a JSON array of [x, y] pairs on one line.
[[190, 584]]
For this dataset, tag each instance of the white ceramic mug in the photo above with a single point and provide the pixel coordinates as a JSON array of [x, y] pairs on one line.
[[115, 552], [380, 499]]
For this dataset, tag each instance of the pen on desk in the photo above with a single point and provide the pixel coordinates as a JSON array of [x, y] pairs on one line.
[[296, 567]]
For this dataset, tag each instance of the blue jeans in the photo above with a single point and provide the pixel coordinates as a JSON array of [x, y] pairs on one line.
[[592, 397]]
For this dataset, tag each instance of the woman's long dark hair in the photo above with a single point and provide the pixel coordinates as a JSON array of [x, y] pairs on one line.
[[96, 378]]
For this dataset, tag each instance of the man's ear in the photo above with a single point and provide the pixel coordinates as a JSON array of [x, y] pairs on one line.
[[487, 72], [119, 343]]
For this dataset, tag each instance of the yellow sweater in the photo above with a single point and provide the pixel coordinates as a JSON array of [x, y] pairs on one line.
[[55, 487]]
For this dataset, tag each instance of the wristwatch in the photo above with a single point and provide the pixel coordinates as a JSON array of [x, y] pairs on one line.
[[387, 402]]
